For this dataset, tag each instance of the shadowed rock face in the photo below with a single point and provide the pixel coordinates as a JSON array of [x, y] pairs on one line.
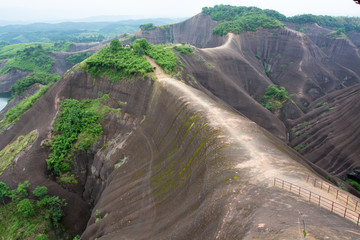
[[9, 79], [330, 131]]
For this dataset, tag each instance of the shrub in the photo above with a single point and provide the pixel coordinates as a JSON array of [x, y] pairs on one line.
[[78, 57], [274, 98], [23, 84], [147, 27], [21, 192], [4, 191], [77, 127], [117, 64], [40, 191], [353, 183], [184, 50], [54, 207], [26, 208]]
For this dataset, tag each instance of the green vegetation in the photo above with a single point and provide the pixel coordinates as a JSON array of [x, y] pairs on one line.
[[9, 51], [184, 49], [77, 127], [353, 183], [117, 62], [301, 147], [342, 24], [35, 59], [8, 153], [240, 19], [25, 218], [147, 27], [24, 83], [274, 98], [15, 113], [79, 57], [298, 133], [164, 57]]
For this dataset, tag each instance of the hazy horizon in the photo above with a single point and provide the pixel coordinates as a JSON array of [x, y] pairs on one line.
[[25, 11]]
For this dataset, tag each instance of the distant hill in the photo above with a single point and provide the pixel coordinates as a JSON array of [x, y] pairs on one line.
[[73, 31]]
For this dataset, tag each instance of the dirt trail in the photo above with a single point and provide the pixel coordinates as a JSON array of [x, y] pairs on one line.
[[264, 160], [225, 45]]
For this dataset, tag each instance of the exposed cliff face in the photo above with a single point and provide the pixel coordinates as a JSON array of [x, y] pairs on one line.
[[9, 79], [196, 31], [329, 133]]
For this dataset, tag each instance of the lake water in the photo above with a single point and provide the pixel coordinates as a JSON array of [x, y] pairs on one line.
[[3, 99]]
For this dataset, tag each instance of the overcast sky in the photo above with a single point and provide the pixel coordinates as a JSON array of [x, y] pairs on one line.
[[47, 10]]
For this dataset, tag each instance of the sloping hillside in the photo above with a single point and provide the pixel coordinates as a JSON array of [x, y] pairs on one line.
[[310, 64], [196, 162]]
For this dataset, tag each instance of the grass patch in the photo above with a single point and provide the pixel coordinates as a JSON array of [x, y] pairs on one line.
[[353, 183], [8, 153]]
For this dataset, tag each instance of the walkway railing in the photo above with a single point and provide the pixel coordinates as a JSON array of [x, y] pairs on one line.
[[319, 200], [351, 201]]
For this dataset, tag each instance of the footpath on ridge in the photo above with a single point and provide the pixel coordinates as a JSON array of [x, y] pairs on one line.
[[262, 161]]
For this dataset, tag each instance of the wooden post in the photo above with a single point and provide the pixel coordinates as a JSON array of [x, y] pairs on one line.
[[329, 188], [299, 191], [358, 220], [347, 200], [332, 207], [337, 193], [315, 182], [319, 199], [310, 197]]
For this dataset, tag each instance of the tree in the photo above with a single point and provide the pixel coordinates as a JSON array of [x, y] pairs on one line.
[[115, 45], [26, 208], [20, 192]]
